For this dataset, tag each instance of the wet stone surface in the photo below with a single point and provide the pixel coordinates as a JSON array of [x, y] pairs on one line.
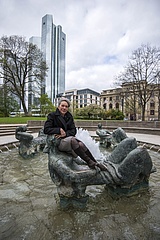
[[29, 206]]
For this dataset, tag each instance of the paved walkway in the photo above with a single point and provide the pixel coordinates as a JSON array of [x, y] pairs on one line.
[[146, 138], [4, 140]]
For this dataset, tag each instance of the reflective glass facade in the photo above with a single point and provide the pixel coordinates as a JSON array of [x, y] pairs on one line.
[[53, 42], [33, 94]]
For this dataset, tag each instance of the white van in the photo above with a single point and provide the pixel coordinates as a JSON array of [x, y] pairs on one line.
[[16, 114], [13, 114]]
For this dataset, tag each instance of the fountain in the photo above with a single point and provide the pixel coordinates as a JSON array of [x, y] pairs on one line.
[[105, 137], [29, 146], [128, 166], [128, 170], [29, 209]]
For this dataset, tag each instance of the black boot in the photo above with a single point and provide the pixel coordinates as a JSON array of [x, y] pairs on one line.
[[89, 154], [89, 159], [79, 151], [100, 165]]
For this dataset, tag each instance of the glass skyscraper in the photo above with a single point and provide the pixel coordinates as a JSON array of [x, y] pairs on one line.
[[33, 93], [53, 43]]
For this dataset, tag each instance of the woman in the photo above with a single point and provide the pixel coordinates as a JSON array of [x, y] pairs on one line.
[[61, 124]]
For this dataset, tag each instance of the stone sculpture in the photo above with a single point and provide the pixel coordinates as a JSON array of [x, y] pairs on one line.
[[105, 136], [29, 145], [128, 169], [110, 139]]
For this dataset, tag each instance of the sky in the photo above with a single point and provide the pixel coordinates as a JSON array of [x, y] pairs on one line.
[[100, 34]]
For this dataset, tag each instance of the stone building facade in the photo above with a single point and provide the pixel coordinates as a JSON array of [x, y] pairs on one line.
[[81, 98], [123, 99]]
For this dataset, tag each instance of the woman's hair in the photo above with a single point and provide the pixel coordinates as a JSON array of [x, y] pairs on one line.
[[64, 99]]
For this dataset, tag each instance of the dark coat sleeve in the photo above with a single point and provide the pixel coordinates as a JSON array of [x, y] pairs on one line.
[[51, 126], [55, 122]]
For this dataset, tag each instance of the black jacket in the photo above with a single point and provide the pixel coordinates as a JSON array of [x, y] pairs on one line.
[[55, 121]]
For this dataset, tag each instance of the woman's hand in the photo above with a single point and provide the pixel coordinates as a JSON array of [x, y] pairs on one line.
[[61, 135]]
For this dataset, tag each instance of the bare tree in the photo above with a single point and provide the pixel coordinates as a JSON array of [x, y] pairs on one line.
[[158, 95], [141, 74], [21, 64]]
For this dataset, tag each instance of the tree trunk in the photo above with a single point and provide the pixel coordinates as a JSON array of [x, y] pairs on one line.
[[158, 104], [143, 112], [24, 107]]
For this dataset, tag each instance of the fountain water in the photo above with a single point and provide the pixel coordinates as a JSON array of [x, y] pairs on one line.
[[7, 148], [92, 145], [29, 209], [14, 145]]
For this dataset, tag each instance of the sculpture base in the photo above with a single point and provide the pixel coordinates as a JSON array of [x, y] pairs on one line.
[[73, 202], [118, 191]]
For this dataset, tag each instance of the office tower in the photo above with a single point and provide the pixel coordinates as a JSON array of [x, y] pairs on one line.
[[36, 41], [53, 42], [33, 96]]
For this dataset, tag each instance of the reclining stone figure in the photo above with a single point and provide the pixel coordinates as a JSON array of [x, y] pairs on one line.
[[128, 168], [105, 137], [29, 145], [110, 139]]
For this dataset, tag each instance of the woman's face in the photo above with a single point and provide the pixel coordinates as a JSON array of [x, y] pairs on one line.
[[63, 107]]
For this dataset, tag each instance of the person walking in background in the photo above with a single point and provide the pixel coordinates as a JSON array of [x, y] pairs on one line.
[[61, 124]]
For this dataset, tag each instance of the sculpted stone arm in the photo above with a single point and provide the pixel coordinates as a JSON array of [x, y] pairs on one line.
[[68, 170]]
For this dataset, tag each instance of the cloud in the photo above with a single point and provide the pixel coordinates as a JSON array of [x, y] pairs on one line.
[[101, 34]]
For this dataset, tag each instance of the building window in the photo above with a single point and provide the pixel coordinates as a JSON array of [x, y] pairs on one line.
[[152, 112], [152, 105], [117, 98], [117, 105], [110, 106], [110, 98], [105, 106], [91, 99]]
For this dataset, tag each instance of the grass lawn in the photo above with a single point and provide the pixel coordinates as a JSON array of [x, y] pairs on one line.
[[19, 120], [23, 120]]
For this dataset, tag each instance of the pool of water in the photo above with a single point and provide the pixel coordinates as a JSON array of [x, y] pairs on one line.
[[29, 206]]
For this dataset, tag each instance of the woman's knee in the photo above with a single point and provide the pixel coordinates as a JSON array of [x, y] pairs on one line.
[[74, 143]]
